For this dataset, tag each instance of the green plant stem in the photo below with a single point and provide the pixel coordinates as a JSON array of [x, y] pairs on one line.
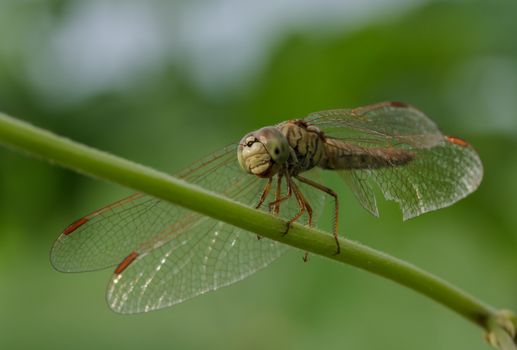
[[87, 160]]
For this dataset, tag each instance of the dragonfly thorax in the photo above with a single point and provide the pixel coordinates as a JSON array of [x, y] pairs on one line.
[[306, 145]]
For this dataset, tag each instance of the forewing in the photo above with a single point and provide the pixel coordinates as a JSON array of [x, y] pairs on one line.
[[443, 169], [140, 222]]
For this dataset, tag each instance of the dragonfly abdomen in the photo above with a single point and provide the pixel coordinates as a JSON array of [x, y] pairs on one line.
[[340, 155]]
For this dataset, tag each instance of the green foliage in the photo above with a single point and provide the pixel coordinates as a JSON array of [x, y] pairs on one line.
[[455, 60]]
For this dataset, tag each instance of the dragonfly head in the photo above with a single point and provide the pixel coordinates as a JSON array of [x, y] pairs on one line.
[[263, 152]]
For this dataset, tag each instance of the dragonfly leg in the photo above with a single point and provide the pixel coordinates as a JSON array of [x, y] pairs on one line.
[[304, 207], [301, 203], [263, 197], [278, 193], [265, 192], [309, 213], [336, 205], [274, 205]]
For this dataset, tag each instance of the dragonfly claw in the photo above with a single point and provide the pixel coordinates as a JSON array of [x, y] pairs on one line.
[[288, 226], [338, 248]]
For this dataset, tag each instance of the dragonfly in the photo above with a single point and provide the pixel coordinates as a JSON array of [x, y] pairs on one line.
[[164, 254]]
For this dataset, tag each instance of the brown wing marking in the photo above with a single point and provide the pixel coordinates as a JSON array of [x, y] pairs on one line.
[[457, 141], [126, 262], [75, 225], [79, 222]]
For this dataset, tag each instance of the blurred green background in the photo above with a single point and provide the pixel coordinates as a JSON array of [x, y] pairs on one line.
[[166, 82]]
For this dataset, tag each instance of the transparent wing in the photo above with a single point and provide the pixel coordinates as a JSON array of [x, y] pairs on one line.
[[168, 254], [363, 191], [208, 255], [140, 222], [443, 169], [387, 124]]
